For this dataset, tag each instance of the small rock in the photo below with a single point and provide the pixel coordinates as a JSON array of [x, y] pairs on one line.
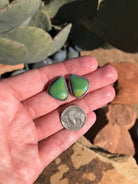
[[122, 115], [49, 61], [18, 72], [72, 53], [115, 133], [77, 48], [135, 108], [108, 137], [26, 66], [41, 63], [125, 144], [59, 56], [127, 84]]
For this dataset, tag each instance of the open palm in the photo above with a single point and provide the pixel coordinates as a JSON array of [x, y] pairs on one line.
[[31, 134]]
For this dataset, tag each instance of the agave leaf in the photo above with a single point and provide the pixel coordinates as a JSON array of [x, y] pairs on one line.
[[16, 13], [57, 27], [37, 41], [41, 20], [60, 39], [12, 52], [26, 22], [3, 3], [117, 23], [99, 4]]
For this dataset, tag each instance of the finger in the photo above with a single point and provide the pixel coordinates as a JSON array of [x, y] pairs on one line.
[[98, 79], [51, 123], [57, 143], [32, 82]]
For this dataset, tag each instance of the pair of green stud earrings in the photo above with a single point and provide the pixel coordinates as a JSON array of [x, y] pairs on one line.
[[78, 86]]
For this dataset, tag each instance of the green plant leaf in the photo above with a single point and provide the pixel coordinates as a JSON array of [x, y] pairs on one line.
[[26, 22], [60, 39], [3, 3], [16, 13], [41, 20], [99, 4], [36, 40], [117, 23], [12, 52]]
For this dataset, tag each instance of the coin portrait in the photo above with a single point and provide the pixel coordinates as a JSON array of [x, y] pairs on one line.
[[73, 118]]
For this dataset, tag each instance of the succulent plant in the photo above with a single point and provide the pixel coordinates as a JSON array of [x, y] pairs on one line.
[[23, 32], [3, 3], [29, 44], [41, 19], [16, 13], [115, 22], [76, 12], [27, 26]]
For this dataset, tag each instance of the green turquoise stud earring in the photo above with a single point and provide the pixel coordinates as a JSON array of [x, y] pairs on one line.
[[58, 89], [78, 85]]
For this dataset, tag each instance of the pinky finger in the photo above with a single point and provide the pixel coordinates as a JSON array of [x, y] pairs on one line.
[[53, 146]]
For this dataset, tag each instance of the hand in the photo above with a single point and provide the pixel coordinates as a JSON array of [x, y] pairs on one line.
[[29, 115]]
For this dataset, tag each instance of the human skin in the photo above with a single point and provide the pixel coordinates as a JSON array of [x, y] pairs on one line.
[[31, 134]]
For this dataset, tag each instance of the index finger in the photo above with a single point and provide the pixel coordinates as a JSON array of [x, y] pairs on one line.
[[32, 82]]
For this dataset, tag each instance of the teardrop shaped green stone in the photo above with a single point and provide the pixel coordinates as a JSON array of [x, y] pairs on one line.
[[58, 88], [79, 85]]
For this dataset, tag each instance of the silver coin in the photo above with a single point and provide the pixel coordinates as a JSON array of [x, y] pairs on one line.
[[73, 118]]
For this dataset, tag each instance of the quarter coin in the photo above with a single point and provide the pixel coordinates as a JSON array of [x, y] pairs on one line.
[[73, 118]]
